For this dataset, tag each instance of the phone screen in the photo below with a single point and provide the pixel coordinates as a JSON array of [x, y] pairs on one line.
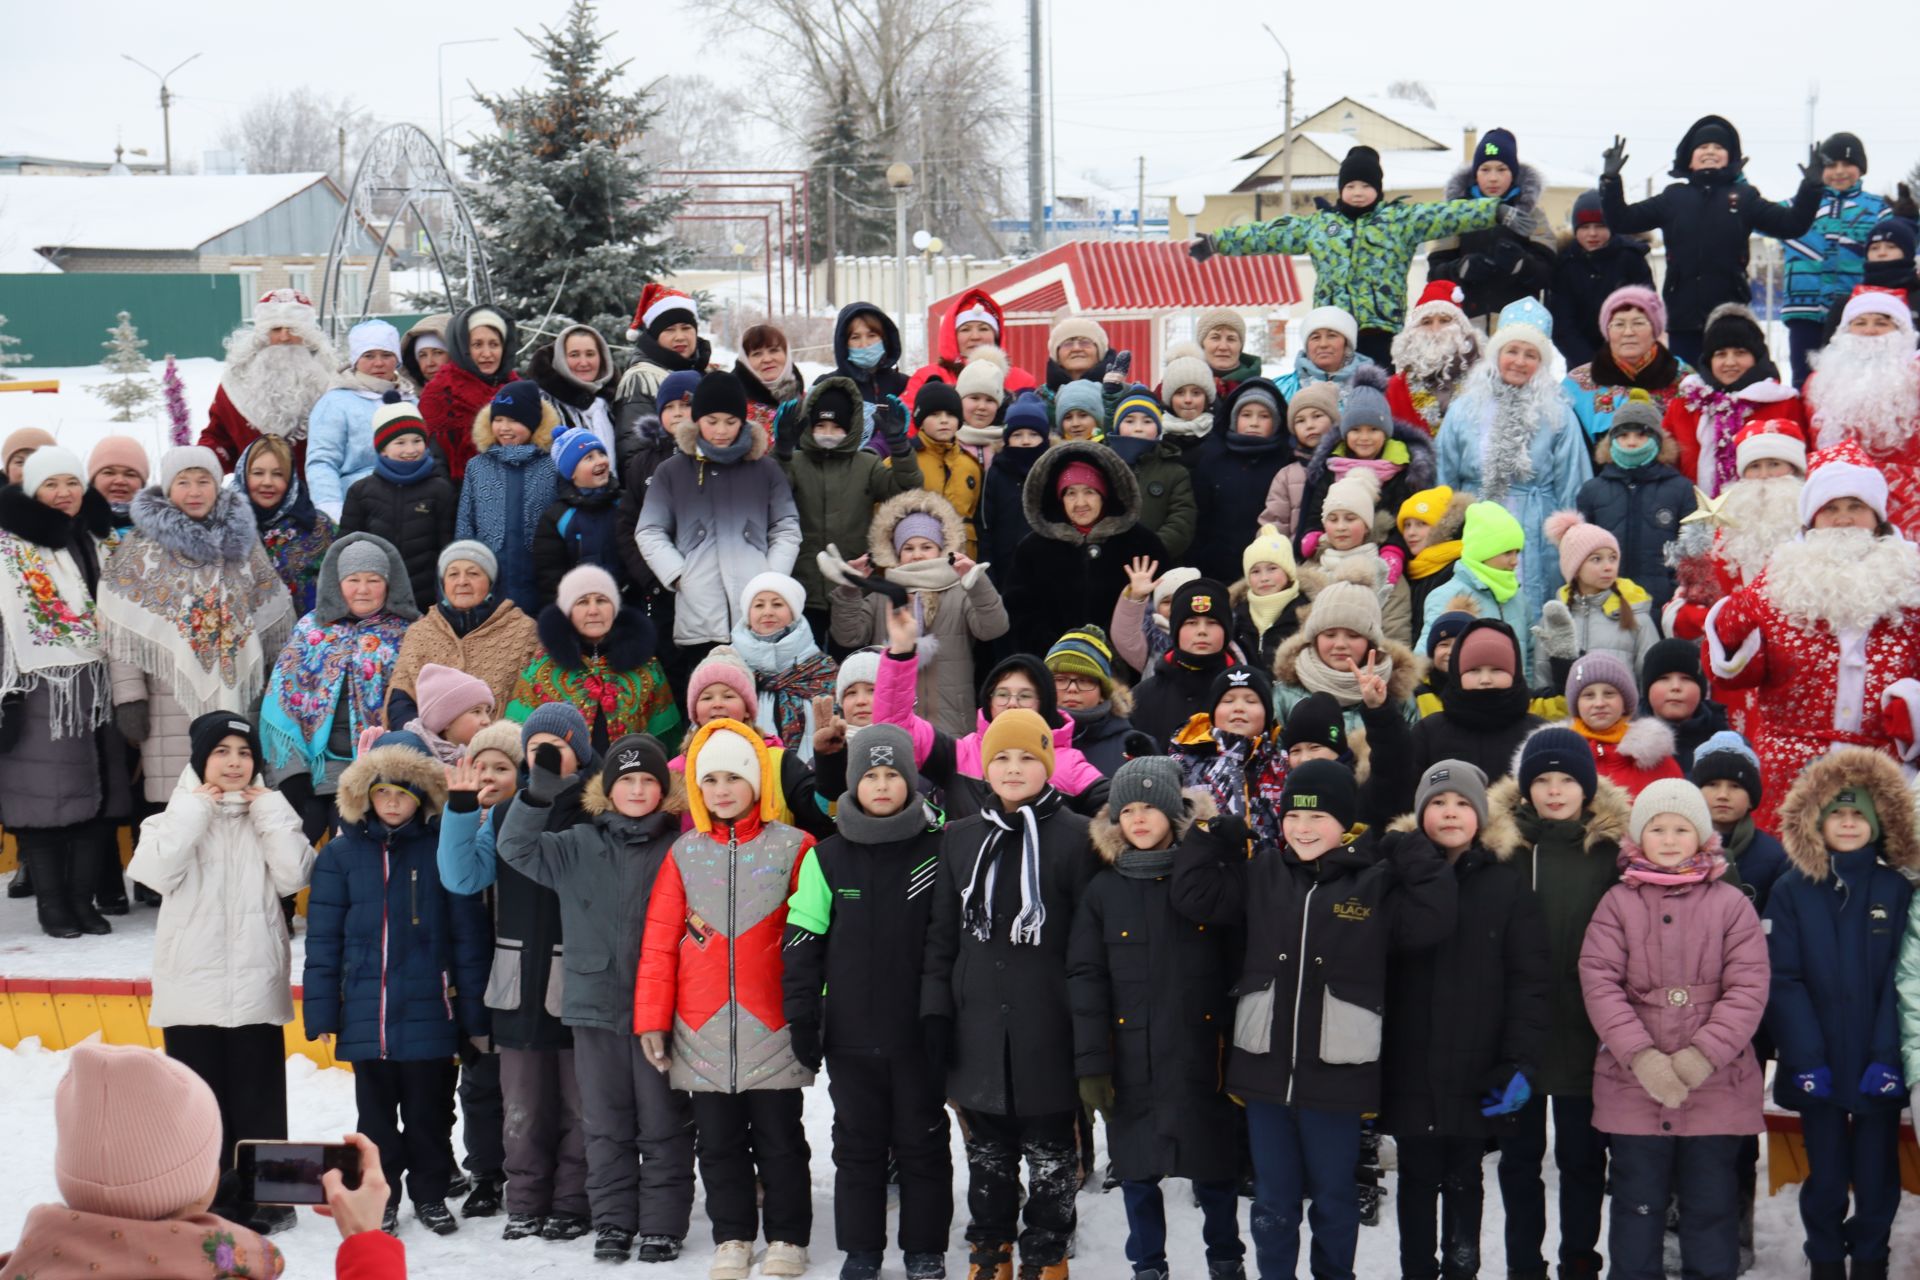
[[289, 1172]]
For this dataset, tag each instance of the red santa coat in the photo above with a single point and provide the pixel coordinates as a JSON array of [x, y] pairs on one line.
[[228, 433], [1644, 754], [1702, 416], [1410, 405], [1828, 638]]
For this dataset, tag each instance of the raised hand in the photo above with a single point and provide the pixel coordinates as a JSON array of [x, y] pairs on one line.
[[463, 776], [1614, 159], [1815, 166], [1141, 572], [963, 564], [829, 730], [1373, 689], [862, 566], [903, 631]]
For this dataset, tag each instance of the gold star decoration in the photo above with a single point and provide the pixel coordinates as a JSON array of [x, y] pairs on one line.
[[1707, 511]]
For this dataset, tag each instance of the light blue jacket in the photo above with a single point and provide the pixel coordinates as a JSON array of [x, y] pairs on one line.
[[1441, 600], [339, 446], [1560, 466]]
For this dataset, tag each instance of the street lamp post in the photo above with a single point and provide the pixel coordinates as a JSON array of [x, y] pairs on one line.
[[440, 81], [1286, 137], [900, 178], [166, 100]]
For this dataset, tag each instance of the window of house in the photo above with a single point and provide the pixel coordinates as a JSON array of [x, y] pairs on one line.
[[249, 290]]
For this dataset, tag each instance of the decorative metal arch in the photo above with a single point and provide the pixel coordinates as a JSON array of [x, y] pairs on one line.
[[403, 185]]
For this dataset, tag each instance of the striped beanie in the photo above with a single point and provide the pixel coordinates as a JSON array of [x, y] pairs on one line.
[[1084, 651]]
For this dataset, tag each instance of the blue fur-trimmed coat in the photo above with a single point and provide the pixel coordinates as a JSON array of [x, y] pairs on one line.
[[502, 497]]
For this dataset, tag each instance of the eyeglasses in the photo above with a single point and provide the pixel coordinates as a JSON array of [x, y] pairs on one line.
[[1075, 684], [1634, 323], [1016, 698]]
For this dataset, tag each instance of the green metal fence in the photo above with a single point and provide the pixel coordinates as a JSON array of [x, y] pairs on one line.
[[62, 319]]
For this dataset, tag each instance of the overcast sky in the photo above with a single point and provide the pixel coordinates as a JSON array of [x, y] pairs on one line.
[[1187, 86]]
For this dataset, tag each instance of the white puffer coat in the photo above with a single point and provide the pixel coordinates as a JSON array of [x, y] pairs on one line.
[[221, 952]]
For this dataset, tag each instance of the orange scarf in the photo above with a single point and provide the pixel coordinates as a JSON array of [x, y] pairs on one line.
[[1610, 736]]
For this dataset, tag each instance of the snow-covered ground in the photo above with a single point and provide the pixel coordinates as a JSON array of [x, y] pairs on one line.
[[78, 419]]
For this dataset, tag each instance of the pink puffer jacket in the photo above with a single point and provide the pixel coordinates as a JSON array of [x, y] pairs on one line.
[[893, 695], [1665, 967]]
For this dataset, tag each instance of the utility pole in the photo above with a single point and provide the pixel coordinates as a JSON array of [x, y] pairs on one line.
[[343, 156], [1286, 133], [166, 101], [833, 295], [440, 81], [1140, 202], [1813, 100], [1036, 137]]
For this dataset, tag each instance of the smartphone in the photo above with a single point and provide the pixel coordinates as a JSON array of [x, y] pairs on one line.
[[289, 1172]]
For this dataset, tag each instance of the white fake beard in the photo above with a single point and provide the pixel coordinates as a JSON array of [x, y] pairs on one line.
[[1434, 357], [274, 387], [1764, 514], [1868, 388], [1846, 578]]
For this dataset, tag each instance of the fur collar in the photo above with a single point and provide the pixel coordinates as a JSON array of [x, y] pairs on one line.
[[228, 534], [1662, 372], [888, 515], [687, 437], [40, 524], [594, 802], [1879, 776], [1606, 823], [1843, 577], [1041, 504], [1409, 669], [395, 764], [1452, 521], [1765, 391], [484, 439], [1648, 742], [1420, 466], [628, 647], [1109, 843], [1527, 180]]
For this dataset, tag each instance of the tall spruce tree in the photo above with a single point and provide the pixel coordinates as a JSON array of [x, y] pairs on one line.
[[571, 224], [846, 164]]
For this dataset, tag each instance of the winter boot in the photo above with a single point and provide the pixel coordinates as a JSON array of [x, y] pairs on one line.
[[459, 1184], [990, 1262], [658, 1249], [21, 886], [926, 1266], [436, 1217], [1044, 1270], [53, 904], [144, 896], [390, 1220], [861, 1264], [564, 1226], [522, 1226], [110, 878], [484, 1200], [1829, 1270], [1151, 1273], [1876, 1270], [1367, 1176], [732, 1260], [272, 1219], [1587, 1268], [612, 1244], [1234, 1270], [80, 883]]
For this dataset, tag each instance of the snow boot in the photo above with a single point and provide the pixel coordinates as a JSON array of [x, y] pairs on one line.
[[1044, 1270], [80, 881], [990, 1262], [658, 1249], [612, 1244], [436, 1217], [484, 1200], [272, 1219], [1234, 1270], [459, 1184], [522, 1226], [390, 1220], [110, 877], [564, 1226], [21, 886], [52, 902], [926, 1266], [861, 1264], [1875, 1270]]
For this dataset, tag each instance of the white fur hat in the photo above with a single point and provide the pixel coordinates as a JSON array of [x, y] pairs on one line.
[[1332, 318], [48, 461]]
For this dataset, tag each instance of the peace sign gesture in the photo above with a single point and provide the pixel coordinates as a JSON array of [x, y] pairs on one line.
[[463, 775], [1373, 688]]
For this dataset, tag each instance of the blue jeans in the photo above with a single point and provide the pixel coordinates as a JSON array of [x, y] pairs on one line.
[[1863, 1150], [1147, 1222], [1304, 1156], [1646, 1171]]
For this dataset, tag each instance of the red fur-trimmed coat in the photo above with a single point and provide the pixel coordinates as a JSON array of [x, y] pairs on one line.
[[1819, 685], [1763, 400]]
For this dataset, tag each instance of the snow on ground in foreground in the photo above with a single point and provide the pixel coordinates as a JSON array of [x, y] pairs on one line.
[[321, 1106]]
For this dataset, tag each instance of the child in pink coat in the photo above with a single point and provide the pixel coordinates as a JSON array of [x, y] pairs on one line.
[[1674, 972]]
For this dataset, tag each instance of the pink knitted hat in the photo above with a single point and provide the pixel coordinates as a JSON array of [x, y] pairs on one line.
[[1639, 297], [444, 694], [1577, 539], [723, 666], [138, 1134], [119, 451]]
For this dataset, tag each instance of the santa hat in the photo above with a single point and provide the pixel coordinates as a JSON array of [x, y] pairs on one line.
[[283, 309], [1867, 300], [1779, 438], [1838, 476], [1439, 295], [658, 303], [977, 313]]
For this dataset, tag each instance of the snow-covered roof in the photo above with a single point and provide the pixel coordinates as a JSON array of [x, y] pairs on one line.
[[152, 213]]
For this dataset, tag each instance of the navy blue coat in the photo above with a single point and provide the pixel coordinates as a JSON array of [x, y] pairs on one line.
[[1643, 509], [1834, 944], [426, 976], [578, 527], [1759, 864]]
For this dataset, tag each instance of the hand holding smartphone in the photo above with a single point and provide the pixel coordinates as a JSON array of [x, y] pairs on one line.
[[291, 1172]]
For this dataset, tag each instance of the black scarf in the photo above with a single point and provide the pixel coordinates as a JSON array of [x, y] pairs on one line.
[[1486, 710], [1144, 864], [466, 621], [976, 896]]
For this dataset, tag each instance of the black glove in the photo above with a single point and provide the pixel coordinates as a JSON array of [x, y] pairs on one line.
[[544, 779], [1136, 744], [1813, 170], [1123, 362], [936, 1034], [1614, 158], [890, 417], [875, 584], [805, 1038], [130, 718], [1200, 248], [1904, 205], [786, 428], [13, 709], [1230, 831]]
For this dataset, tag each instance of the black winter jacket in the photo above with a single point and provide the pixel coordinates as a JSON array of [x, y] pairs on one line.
[[580, 526], [1002, 520], [1467, 1013], [1231, 476], [1643, 508], [1581, 281], [417, 519], [1312, 990], [656, 446], [1101, 736], [1150, 1009], [1706, 220], [1174, 692], [1012, 1019], [527, 986], [874, 902]]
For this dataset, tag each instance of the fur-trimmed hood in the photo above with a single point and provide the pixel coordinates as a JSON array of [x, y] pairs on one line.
[[687, 437], [392, 764], [630, 646], [1610, 809], [484, 438], [1409, 668], [1110, 843], [1041, 504], [1452, 522], [1527, 180], [1849, 767], [228, 534], [1409, 822], [329, 605], [40, 524], [854, 440], [888, 515], [594, 801], [1420, 470]]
